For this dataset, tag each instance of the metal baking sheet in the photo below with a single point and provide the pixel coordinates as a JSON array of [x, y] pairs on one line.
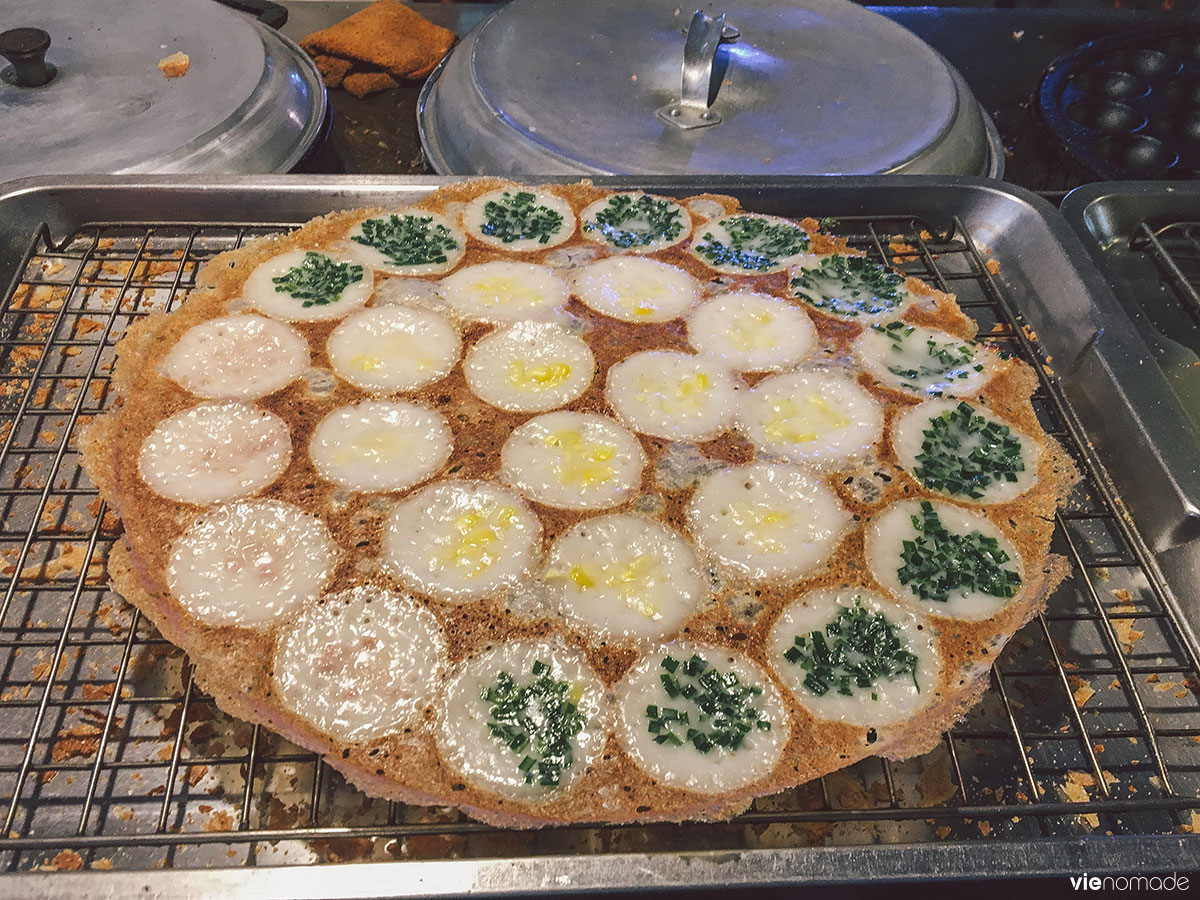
[[110, 758], [1143, 238]]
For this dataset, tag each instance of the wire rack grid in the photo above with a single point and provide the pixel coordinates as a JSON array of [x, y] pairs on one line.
[[1175, 247], [110, 757]]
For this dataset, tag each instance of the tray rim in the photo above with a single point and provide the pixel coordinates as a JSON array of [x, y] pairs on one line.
[[528, 876]]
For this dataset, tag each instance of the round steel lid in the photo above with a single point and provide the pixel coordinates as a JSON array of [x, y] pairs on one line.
[[251, 101], [805, 87]]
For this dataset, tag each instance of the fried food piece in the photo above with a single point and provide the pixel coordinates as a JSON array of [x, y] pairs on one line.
[[333, 69], [174, 66], [386, 35], [363, 84]]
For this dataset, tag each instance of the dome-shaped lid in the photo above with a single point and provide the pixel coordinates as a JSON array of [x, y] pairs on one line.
[[809, 86], [250, 101]]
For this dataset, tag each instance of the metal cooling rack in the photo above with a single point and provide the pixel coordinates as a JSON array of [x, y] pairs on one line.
[[110, 757], [1176, 249]]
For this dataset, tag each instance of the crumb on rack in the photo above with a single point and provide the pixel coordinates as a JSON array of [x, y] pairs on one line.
[[337, 850], [1192, 827], [1074, 790], [219, 821], [935, 784], [67, 564], [175, 66], [83, 740], [1123, 627], [64, 861], [1081, 690]]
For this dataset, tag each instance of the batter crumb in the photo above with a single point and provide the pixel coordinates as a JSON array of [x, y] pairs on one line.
[[66, 861], [175, 66]]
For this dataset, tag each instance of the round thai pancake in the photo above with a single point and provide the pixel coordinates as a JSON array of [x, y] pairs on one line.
[[234, 664]]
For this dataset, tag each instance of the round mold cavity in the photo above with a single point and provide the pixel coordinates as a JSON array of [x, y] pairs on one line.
[[1187, 127], [1138, 153], [1106, 115], [1085, 81], [1180, 92], [1174, 91], [1162, 126], [1176, 126], [1151, 64], [1115, 84], [1179, 48]]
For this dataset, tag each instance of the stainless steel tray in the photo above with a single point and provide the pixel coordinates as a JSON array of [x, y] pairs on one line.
[[1078, 759], [1145, 239]]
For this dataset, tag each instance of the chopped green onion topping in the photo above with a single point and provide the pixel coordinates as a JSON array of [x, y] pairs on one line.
[[965, 453], [855, 651], [937, 562], [536, 721], [518, 217], [722, 713], [408, 240], [627, 222], [755, 244], [948, 360], [849, 286], [319, 280]]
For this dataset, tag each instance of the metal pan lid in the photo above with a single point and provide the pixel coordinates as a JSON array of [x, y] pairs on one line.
[[805, 87], [251, 100]]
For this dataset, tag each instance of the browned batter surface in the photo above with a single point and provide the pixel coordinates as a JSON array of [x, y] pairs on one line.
[[233, 664]]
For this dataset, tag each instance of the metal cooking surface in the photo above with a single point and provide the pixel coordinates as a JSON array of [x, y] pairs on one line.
[[1145, 238], [547, 87], [110, 758], [568, 75], [1175, 250], [110, 108]]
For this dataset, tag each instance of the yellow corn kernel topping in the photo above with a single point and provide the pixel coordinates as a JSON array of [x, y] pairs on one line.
[[643, 302], [634, 581], [378, 446], [366, 362], [752, 332], [686, 398], [533, 377], [581, 462], [579, 575], [762, 524], [504, 291], [799, 423], [392, 346], [480, 539]]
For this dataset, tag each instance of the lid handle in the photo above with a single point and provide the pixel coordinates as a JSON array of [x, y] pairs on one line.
[[704, 36], [26, 49]]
